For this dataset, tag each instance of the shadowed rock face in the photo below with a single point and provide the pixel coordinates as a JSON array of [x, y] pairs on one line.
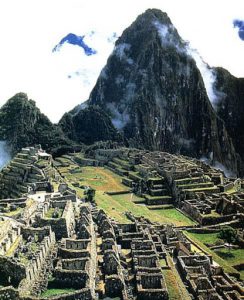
[[88, 126], [155, 94], [231, 108]]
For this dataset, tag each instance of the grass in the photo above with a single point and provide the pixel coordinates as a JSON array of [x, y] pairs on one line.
[[23, 258], [212, 188], [15, 212], [199, 240], [42, 163], [117, 205], [13, 247], [99, 178], [49, 213], [186, 179], [213, 214], [242, 274], [206, 238], [193, 185], [53, 292], [232, 256], [111, 207], [104, 180], [176, 288]]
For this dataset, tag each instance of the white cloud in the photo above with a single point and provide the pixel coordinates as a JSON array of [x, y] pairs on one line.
[[121, 51], [168, 37], [30, 29], [119, 120]]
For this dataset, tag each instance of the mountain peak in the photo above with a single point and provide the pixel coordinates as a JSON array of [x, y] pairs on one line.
[[151, 24], [153, 14], [155, 94]]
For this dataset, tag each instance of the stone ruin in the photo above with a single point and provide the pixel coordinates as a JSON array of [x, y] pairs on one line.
[[25, 257], [29, 170], [54, 240], [202, 192], [207, 281]]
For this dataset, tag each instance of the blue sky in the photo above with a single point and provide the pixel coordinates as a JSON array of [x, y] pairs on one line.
[[58, 81]]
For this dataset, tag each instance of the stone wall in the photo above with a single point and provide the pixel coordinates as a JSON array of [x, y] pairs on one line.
[[62, 226], [13, 269], [9, 293]]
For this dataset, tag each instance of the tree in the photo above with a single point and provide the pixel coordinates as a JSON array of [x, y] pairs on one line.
[[90, 194], [228, 234]]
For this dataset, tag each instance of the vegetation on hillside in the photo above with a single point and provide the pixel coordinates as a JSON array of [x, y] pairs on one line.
[[22, 124]]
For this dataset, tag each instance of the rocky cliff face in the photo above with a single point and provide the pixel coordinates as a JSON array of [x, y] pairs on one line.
[[155, 95], [230, 108]]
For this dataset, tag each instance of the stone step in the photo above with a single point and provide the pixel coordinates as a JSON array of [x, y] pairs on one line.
[[158, 192]]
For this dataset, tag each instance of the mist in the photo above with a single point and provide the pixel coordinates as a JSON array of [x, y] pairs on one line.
[[5, 156], [208, 76]]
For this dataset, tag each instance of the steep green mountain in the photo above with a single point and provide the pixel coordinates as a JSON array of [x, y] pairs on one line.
[[22, 124], [89, 125], [155, 94], [230, 107]]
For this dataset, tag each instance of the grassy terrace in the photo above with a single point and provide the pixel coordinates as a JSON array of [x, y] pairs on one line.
[[103, 180], [98, 178], [225, 258], [15, 212], [211, 188], [233, 257], [13, 247], [233, 190], [119, 204], [187, 180], [195, 185], [55, 292]]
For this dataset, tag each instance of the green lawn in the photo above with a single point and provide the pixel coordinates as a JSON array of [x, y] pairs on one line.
[[104, 180], [200, 239], [233, 257], [206, 238], [175, 286], [117, 205], [53, 292], [242, 274], [15, 212], [98, 178]]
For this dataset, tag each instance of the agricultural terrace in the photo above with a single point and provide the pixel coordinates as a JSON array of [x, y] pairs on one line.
[[104, 180]]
